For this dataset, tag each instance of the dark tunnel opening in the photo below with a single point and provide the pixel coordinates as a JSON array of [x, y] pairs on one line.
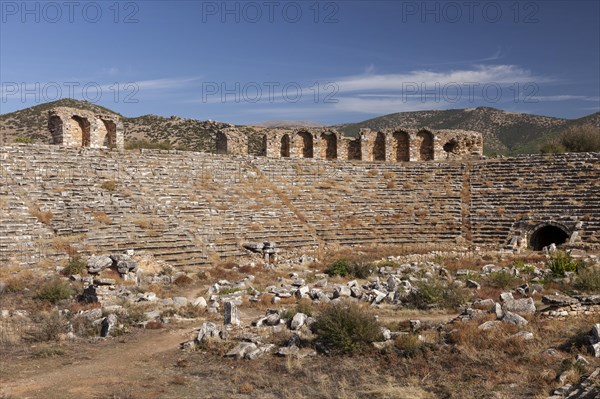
[[547, 235]]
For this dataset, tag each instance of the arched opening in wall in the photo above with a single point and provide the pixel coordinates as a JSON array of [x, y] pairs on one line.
[[285, 146], [107, 134], [80, 131], [401, 146], [354, 150], [425, 140], [379, 147], [329, 151], [257, 144], [56, 129], [546, 234], [263, 148], [221, 143], [307, 144], [451, 146]]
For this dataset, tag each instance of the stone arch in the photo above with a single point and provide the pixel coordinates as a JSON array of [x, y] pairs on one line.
[[107, 133], [548, 233], [425, 142], [221, 143], [329, 149], [354, 150], [80, 131], [401, 146], [379, 147], [264, 145], [55, 124], [285, 146], [307, 144]]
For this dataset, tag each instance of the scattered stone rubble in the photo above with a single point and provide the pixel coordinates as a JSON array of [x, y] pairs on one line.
[[562, 306], [589, 388], [268, 249]]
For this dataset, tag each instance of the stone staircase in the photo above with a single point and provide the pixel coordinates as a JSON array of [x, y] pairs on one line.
[[534, 189], [193, 209], [187, 209], [372, 203]]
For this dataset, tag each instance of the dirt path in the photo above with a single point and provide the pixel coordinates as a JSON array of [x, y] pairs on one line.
[[94, 368]]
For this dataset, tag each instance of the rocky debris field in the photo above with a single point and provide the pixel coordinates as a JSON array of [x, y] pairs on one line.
[[437, 305]]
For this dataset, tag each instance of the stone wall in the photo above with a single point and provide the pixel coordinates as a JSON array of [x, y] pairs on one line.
[[388, 145], [517, 200], [230, 141], [191, 209], [78, 128]]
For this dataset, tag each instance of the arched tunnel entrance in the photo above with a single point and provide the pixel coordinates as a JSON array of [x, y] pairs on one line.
[[547, 234]]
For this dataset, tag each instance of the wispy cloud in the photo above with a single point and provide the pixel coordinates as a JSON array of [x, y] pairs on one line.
[[565, 97], [479, 74], [166, 83]]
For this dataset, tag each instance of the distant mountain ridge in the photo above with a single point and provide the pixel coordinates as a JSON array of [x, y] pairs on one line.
[[288, 124], [503, 132]]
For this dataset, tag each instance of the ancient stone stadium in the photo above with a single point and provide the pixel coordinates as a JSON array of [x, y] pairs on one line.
[[313, 189], [406, 248]]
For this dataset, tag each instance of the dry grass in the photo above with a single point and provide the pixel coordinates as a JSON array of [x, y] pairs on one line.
[[102, 217], [44, 217], [109, 185], [147, 222]]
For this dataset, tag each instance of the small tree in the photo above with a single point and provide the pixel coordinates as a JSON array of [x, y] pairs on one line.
[[347, 328], [553, 148], [584, 138]]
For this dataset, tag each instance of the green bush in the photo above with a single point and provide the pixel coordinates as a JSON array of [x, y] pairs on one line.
[[347, 328], [439, 293], [343, 268], [553, 148], [502, 279], [561, 262], [75, 266], [588, 280], [340, 267], [54, 291], [361, 270], [584, 138]]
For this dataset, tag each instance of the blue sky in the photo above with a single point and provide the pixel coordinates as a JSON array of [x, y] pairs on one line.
[[325, 61]]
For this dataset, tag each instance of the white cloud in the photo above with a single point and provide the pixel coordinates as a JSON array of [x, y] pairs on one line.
[[480, 74], [380, 106], [565, 97], [162, 84]]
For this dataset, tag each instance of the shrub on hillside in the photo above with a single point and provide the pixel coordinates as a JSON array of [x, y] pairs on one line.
[[347, 328], [561, 262], [553, 148], [75, 266], [436, 293], [344, 267], [584, 138], [588, 280], [502, 279], [54, 291]]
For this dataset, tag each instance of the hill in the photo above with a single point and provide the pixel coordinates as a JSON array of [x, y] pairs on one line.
[[503, 132]]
